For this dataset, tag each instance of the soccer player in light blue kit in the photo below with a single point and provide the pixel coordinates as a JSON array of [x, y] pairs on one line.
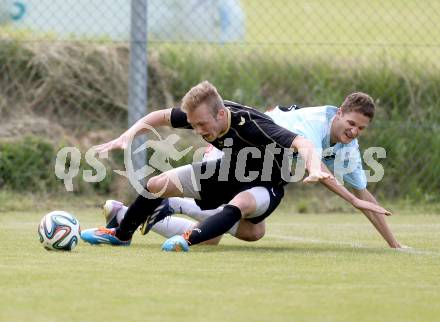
[[316, 123], [333, 131]]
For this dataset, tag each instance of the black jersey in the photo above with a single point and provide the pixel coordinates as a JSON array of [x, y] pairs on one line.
[[249, 128]]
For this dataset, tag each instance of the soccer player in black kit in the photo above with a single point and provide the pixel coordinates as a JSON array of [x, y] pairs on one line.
[[249, 179]]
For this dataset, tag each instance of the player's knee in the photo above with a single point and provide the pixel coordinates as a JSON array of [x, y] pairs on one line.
[[155, 184], [258, 233], [254, 234], [246, 205]]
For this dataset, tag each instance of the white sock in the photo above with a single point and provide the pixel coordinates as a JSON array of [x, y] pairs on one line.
[[121, 214], [188, 207], [168, 227], [233, 230], [172, 226]]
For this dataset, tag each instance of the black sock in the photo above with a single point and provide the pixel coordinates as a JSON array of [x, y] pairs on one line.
[[214, 226], [136, 214]]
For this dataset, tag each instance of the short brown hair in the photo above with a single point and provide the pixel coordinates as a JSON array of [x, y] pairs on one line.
[[359, 102], [203, 92]]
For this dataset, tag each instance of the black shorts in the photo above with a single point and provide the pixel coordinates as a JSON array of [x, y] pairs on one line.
[[215, 192]]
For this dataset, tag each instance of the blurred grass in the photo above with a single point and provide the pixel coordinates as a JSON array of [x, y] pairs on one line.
[[335, 29]]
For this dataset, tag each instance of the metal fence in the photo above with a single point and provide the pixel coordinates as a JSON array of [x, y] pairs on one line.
[[65, 65]]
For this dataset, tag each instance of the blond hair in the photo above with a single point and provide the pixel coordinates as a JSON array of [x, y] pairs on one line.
[[202, 93], [359, 102]]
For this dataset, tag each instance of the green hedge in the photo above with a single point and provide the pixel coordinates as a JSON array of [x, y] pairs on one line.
[[28, 165]]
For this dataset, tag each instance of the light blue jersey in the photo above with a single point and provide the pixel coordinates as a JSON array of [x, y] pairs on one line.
[[314, 123]]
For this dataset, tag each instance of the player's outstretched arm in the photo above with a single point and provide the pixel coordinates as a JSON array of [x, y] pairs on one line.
[[377, 219], [151, 120], [333, 185], [312, 159], [365, 202]]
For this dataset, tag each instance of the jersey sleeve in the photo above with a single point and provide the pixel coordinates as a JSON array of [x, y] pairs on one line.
[[178, 119], [356, 179]]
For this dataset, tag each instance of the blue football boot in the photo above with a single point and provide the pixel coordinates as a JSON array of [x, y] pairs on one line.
[[175, 244], [97, 236]]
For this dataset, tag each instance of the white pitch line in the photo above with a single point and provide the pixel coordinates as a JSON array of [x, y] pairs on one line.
[[317, 241], [418, 252], [354, 245]]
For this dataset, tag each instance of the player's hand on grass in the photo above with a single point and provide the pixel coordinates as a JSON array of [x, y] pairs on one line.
[[119, 143], [317, 176], [366, 205]]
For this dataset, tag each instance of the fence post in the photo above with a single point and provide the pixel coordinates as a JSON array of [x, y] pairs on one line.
[[137, 83]]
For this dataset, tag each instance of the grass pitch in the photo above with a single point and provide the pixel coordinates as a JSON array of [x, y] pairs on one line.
[[307, 268]]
